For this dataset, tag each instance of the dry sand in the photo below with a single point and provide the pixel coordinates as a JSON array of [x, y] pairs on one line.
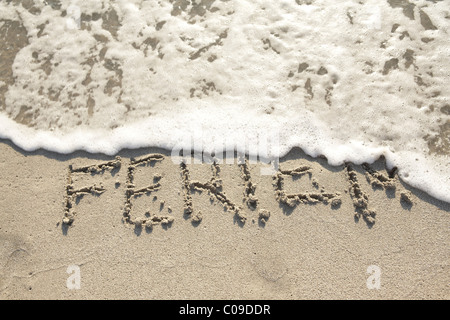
[[298, 241]]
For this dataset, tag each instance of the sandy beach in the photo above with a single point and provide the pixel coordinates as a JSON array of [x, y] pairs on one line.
[[221, 231], [337, 84]]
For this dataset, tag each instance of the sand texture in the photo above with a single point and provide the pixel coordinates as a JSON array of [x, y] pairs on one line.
[[143, 227]]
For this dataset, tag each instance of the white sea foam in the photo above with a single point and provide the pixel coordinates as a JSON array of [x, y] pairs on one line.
[[350, 80]]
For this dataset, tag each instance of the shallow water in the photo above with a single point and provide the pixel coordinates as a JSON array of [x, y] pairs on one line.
[[350, 80]]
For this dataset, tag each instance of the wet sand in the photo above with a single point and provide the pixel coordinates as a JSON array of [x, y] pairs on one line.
[[214, 232]]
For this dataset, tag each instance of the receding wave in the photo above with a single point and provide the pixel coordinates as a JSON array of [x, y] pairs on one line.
[[350, 80]]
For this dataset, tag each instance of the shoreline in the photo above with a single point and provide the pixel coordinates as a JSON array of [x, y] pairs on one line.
[[424, 176]]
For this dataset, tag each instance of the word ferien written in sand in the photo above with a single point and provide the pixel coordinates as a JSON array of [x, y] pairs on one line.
[[214, 188]]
